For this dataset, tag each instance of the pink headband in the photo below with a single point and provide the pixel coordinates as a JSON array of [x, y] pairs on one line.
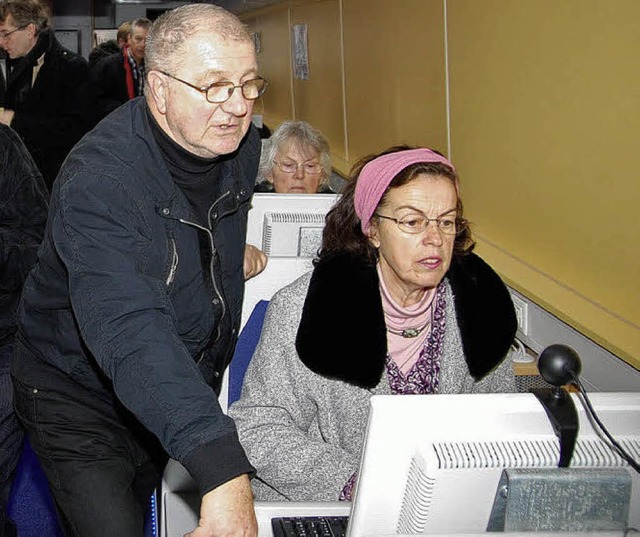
[[376, 175]]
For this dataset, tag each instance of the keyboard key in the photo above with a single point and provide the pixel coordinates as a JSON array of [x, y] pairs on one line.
[[310, 526]]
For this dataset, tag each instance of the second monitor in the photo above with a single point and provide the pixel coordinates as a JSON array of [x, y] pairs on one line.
[[288, 225]]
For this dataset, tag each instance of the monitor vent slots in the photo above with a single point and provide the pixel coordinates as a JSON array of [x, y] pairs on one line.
[[292, 233], [427, 469]]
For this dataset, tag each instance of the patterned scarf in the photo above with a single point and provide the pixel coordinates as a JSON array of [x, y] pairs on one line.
[[138, 73], [423, 377]]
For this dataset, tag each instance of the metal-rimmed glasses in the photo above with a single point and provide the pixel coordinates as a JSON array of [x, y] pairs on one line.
[[220, 92], [289, 167], [4, 35], [418, 223]]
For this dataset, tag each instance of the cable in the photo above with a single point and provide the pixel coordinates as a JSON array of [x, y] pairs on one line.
[[519, 352], [592, 413]]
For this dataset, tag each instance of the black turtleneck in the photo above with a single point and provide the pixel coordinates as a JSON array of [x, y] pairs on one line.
[[197, 177]]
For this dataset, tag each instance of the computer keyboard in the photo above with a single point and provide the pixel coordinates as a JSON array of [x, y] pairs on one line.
[[309, 526]]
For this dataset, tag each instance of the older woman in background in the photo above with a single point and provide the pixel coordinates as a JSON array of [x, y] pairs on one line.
[[411, 310], [295, 160]]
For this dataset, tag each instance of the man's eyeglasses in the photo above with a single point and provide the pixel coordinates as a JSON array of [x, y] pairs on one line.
[[4, 35], [219, 92], [287, 166], [414, 224]]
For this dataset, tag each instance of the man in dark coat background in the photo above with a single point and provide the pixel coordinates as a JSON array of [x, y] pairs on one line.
[[23, 215], [44, 100]]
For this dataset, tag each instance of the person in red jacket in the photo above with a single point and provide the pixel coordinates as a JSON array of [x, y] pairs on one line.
[[119, 77]]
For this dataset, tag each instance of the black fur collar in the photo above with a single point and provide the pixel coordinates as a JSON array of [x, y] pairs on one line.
[[342, 333]]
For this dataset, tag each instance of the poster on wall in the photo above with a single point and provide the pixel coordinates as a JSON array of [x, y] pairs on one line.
[[300, 53], [257, 41], [101, 36]]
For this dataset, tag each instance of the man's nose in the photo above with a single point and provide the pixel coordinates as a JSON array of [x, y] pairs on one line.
[[236, 104]]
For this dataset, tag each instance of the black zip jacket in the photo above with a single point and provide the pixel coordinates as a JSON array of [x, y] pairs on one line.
[[120, 301]]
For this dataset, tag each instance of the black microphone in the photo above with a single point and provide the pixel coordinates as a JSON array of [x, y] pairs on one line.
[[559, 364]]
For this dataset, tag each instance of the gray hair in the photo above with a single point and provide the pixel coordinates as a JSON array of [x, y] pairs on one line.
[[141, 22], [170, 31], [303, 134]]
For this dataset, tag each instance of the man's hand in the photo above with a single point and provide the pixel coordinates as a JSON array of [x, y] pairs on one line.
[[6, 116], [254, 261], [227, 511]]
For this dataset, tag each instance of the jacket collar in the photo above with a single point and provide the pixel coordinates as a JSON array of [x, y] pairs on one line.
[[33, 60], [158, 183], [344, 292]]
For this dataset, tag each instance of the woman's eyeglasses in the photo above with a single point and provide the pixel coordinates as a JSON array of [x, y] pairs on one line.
[[287, 166], [414, 224]]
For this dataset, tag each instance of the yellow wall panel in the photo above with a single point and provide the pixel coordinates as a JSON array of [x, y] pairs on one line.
[[318, 100], [545, 116], [274, 60], [395, 74]]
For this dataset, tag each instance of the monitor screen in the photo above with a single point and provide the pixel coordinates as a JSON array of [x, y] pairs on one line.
[[288, 225], [433, 463]]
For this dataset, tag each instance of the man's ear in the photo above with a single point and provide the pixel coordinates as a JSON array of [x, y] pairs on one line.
[[158, 89], [32, 30]]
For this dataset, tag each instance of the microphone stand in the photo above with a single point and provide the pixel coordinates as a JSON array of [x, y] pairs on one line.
[[558, 365]]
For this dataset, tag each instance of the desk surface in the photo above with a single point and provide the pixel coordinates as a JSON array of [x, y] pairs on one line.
[[180, 516]]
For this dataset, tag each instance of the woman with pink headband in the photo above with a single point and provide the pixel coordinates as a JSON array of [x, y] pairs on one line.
[[397, 303]]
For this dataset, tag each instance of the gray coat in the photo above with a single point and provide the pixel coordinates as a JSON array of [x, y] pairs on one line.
[[303, 430]]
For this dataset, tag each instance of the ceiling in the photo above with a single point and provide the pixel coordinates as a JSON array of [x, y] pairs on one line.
[[235, 6]]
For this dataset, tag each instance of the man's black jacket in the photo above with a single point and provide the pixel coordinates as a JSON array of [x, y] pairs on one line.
[[121, 301]]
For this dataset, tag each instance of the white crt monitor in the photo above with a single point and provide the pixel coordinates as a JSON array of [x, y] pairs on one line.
[[432, 463], [288, 225]]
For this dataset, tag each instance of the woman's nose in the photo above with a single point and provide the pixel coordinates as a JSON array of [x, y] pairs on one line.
[[432, 233]]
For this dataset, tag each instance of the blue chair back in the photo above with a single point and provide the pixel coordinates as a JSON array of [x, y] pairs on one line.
[[247, 341]]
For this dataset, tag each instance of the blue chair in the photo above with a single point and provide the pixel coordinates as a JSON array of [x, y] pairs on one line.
[[31, 505], [247, 341]]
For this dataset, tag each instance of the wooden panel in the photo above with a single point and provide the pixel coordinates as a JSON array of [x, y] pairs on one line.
[[395, 74], [274, 60], [545, 115], [318, 100]]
